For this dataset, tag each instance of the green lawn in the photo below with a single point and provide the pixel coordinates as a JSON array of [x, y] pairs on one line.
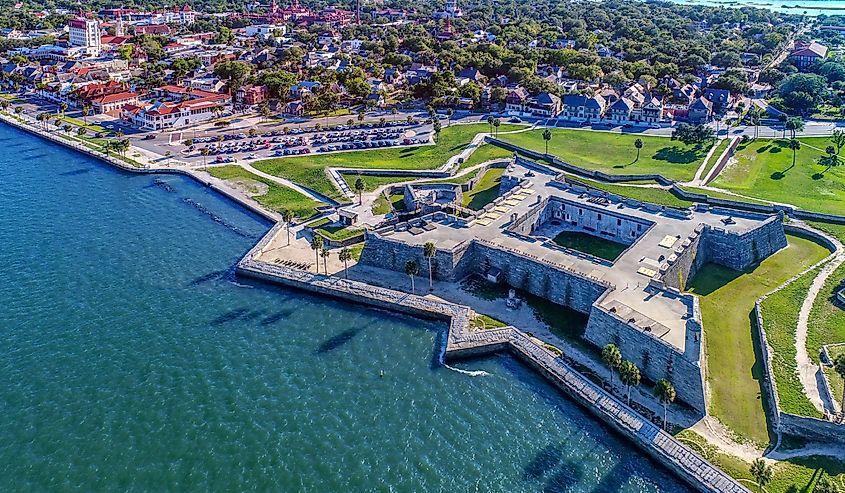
[[780, 318], [397, 200], [334, 231], [485, 191], [592, 245], [792, 476], [277, 198], [310, 170], [827, 318], [381, 205], [763, 169], [614, 153], [727, 298], [485, 152], [371, 183], [659, 196], [486, 323]]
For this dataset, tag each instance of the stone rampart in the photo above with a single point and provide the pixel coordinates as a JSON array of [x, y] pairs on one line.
[[655, 358], [739, 251]]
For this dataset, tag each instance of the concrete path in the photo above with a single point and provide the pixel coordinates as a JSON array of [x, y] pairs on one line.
[[808, 371], [697, 178], [287, 183]]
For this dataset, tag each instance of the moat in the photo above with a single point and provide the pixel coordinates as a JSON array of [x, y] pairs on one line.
[[134, 359]]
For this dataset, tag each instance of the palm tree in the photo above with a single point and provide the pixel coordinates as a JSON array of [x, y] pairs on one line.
[[794, 124], [4, 104], [547, 136], [449, 113], [794, 145], [630, 376], [756, 114], [287, 217], [360, 115], [782, 118], [62, 107], [612, 357], [66, 127], [496, 123], [839, 366], [665, 393], [81, 131], [317, 245], [345, 255], [429, 251], [412, 269], [359, 188], [490, 122], [324, 252], [86, 110], [762, 473], [437, 129], [638, 144], [204, 153]]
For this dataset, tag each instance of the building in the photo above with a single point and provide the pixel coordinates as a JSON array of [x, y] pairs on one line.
[[252, 95], [114, 102], [806, 54], [160, 115], [582, 108], [700, 111], [85, 33]]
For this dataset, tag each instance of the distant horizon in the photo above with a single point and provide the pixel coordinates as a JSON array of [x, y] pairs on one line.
[[814, 8]]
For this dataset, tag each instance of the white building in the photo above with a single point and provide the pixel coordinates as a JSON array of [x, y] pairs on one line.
[[265, 30], [85, 33]]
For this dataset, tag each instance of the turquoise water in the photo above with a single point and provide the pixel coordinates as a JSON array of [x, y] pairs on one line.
[[132, 360], [795, 7]]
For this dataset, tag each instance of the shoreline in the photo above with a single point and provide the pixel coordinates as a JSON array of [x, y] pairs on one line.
[[677, 457]]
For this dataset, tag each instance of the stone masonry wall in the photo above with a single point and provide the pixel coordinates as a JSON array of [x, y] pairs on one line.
[[739, 251], [813, 429], [683, 263], [655, 358]]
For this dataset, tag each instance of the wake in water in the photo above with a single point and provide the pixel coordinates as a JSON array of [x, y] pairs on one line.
[[442, 359], [214, 217]]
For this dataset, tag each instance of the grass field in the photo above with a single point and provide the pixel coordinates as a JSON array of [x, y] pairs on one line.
[[652, 195], [592, 245], [763, 169], [780, 318], [371, 183], [827, 318], [485, 152], [792, 476], [485, 191], [334, 231], [734, 369], [614, 153], [277, 196], [309, 170], [381, 205]]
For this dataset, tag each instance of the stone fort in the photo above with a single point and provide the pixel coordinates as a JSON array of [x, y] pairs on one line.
[[635, 300]]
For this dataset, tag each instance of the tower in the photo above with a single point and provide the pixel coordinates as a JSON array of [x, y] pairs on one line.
[[358, 12], [118, 26], [85, 33]]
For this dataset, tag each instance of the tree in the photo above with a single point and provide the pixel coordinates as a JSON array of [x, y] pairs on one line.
[[449, 113], [838, 139], [62, 108], [18, 110], [630, 376], [345, 255], [762, 473], [86, 110], [496, 123], [692, 134], [547, 136], [81, 131], [359, 188], [825, 485], [612, 357], [755, 114], [317, 245], [839, 366], [412, 269], [429, 251], [665, 393], [638, 144], [235, 71], [204, 152], [324, 253], [287, 217], [437, 128], [252, 132], [490, 122], [794, 124], [794, 145]]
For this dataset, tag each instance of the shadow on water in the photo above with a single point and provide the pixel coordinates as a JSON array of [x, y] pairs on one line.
[[544, 461], [276, 317], [37, 156], [230, 316], [337, 341], [565, 477], [252, 315], [76, 172]]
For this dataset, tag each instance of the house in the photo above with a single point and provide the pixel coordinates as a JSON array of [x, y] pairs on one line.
[[294, 108], [112, 102], [720, 98], [700, 111], [583, 108], [651, 110], [805, 54], [303, 88], [620, 111], [156, 29], [515, 100], [251, 95], [164, 114]]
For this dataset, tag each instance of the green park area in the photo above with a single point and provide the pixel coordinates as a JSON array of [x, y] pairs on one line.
[[309, 171], [334, 231], [266, 192], [615, 153], [589, 244], [485, 190], [734, 367], [764, 169]]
